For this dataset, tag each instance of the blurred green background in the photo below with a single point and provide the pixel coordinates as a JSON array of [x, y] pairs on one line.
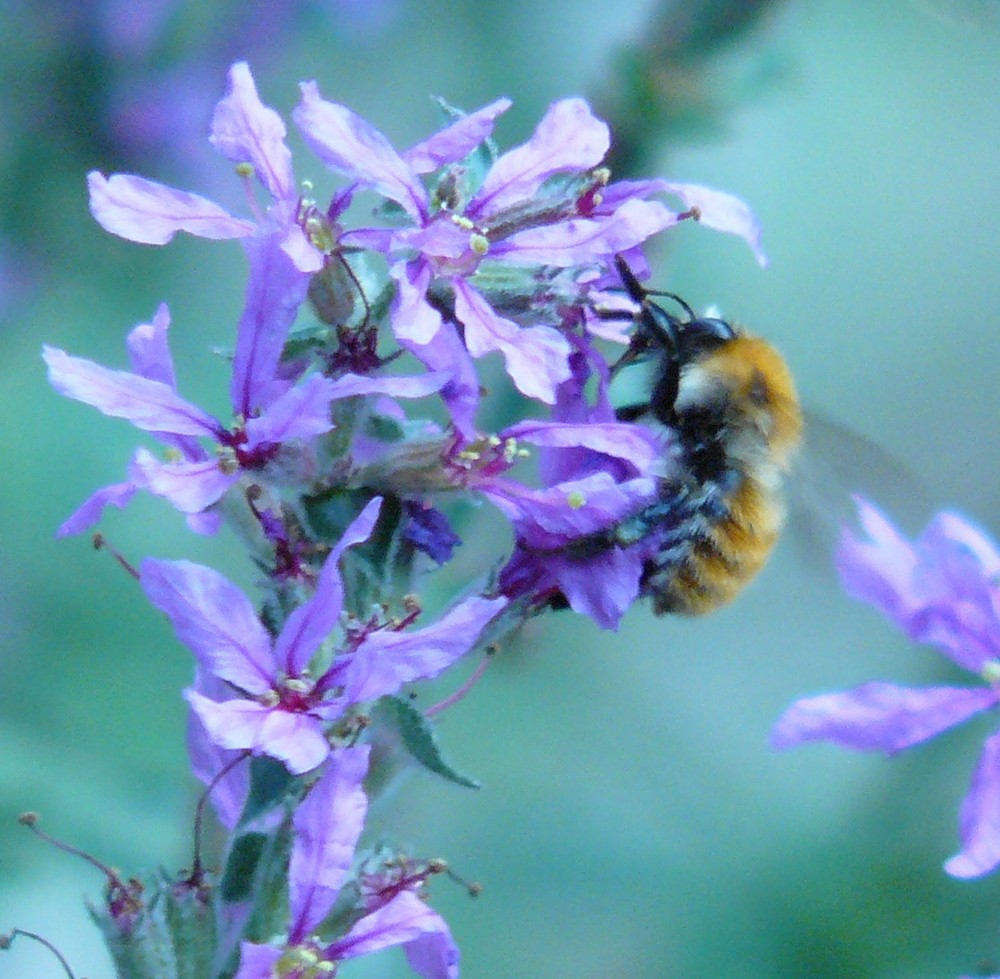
[[633, 822]]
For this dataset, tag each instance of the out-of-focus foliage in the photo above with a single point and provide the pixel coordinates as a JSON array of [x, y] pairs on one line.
[[633, 821]]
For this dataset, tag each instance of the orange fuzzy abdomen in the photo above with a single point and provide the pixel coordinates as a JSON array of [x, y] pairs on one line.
[[726, 559]]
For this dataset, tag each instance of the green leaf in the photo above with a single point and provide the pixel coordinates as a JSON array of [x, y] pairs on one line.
[[269, 785], [419, 739], [241, 868]]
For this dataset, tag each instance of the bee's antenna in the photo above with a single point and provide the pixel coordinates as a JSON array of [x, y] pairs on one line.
[[677, 299]]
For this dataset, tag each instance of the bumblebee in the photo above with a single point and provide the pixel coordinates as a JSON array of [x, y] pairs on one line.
[[730, 402]]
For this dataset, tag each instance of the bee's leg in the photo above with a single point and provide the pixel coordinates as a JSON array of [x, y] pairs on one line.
[[635, 352], [631, 413], [664, 395]]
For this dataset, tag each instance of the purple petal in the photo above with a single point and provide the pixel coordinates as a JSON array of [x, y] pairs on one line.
[[441, 239], [214, 619], [879, 570], [395, 386], [537, 357], [619, 191], [310, 623], [293, 738], [151, 213], [246, 130], [446, 353], [274, 293], [190, 486], [556, 516], [302, 412], [149, 354], [386, 660], [979, 820], [635, 443], [581, 240], [602, 587], [92, 509], [327, 825], [434, 954], [954, 527], [402, 920], [207, 523], [569, 137], [722, 212], [149, 351], [349, 145], [149, 405], [879, 716], [956, 578], [258, 961], [414, 320], [456, 141], [305, 256]]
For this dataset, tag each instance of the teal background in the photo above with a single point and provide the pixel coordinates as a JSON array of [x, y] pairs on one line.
[[633, 821]]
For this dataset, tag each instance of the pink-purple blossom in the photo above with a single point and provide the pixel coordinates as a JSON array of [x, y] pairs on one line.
[[281, 703], [196, 479], [942, 589], [327, 826]]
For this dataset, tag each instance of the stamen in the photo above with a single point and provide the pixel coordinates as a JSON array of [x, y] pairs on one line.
[[464, 689], [197, 868], [7, 940], [101, 544]]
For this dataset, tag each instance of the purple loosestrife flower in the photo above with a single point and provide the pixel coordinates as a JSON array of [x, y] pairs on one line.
[[327, 826], [281, 708], [943, 589], [147, 397], [245, 131], [620, 471], [543, 203], [573, 550]]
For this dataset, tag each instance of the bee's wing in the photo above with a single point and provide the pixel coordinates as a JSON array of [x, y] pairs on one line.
[[835, 464]]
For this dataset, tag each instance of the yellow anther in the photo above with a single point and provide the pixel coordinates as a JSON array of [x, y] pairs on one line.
[[598, 199], [307, 186], [602, 175], [270, 698], [576, 499], [991, 672], [480, 244], [244, 169], [463, 222], [493, 441], [298, 685]]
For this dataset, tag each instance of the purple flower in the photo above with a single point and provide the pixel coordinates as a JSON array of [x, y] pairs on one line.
[[517, 213], [196, 479], [282, 255], [943, 589], [283, 703], [327, 825], [245, 131], [617, 473]]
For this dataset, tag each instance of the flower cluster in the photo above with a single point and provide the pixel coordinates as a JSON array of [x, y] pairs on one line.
[[342, 496], [942, 589]]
